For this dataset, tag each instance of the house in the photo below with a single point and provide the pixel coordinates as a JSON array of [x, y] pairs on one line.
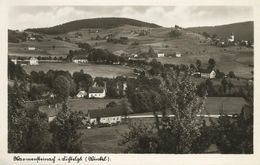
[[105, 116], [80, 59], [96, 92], [160, 54], [33, 61], [32, 38], [31, 48], [178, 54], [51, 110], [82, 94], [231, 38], [14, 60], [205, 73]]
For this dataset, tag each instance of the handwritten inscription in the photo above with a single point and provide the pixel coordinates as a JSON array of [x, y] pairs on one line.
[[65, 159]]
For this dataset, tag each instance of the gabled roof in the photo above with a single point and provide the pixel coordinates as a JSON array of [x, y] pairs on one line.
[[80, 57], [96, 90], [109, 112]]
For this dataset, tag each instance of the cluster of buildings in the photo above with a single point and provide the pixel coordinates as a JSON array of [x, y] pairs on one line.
[[31, 61]]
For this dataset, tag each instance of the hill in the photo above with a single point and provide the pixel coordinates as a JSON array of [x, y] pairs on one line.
[[104, 23], [241, 30]]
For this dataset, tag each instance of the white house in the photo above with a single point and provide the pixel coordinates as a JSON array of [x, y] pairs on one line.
[[82, 94], [31, 48], [178, 54], [97, 92], [231, 38], [160, 54], [32, 38], [80, 60], [33, 61], [105, 116], [14, 60], [51, 110], [208, 74]]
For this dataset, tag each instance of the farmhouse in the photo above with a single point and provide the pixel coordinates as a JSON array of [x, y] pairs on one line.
[[31, 48], [178, 54], [205, 73], [105, 116], [51, 110], [231, 38], [97, 92], [82, 94], [33, 61], [160, 54], [14, 60], [80, 59]]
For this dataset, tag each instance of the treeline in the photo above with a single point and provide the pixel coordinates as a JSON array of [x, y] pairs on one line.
[[16, 37], [99, 56], [92, 23]]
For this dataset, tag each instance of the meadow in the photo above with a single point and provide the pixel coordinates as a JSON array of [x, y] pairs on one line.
[[109, 71], [89, 104]]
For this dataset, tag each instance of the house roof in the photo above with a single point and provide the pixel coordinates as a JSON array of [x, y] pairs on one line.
[[225, 105], [50, 111], [80, 57], [96, 90], [82, 92], [108, 112]]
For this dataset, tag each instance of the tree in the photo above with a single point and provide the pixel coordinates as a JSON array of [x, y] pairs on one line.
[[82, 80], [61, 88], [211, 64], [198, 64], [179, 134], [224, 84], [64, 129], [231, 74], [205, 34], [27, 128], [151, 52]]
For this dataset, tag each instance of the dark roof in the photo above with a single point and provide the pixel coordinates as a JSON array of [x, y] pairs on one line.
[[50, 111], [80, 57], [225, 105], [205, 70], [96, 89], [108, 112]]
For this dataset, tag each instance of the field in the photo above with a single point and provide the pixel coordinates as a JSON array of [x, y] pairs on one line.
[[240, 62], [106, 139], [109, 71], [89, 104], [43, 48]]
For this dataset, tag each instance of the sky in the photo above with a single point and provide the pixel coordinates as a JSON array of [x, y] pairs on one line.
[[23, 17]]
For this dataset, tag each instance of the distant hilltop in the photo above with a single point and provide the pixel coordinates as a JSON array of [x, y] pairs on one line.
[[105, 23], [241, 30]]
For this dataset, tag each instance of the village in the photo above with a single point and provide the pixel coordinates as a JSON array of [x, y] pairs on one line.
[[109, 86]]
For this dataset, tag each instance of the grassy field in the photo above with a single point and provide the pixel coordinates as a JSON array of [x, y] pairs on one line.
[[238, 62], [43, 48], [109, 71], [89, 104], [106, 139]]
